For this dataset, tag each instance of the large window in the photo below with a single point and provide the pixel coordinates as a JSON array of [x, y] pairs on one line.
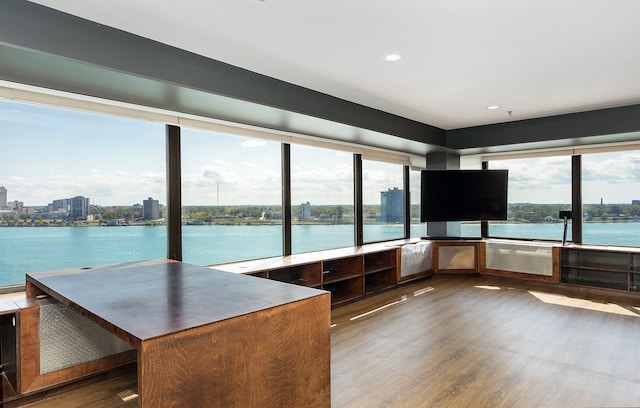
[[321, 199], [538, 189], [80, 189], [74, 188], [611, 198], [231, 198], [383, 201], [418, 229]]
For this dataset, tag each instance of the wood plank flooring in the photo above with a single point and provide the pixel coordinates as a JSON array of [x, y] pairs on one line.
[[477, 342], [467, 342]]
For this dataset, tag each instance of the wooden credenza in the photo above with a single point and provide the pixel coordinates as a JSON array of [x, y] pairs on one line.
[[347, 274], [206, 338]]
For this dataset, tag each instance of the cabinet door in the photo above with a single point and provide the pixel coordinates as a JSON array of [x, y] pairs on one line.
[[456, 257], [604, 260], [8, 356], [603, 269], [634, 277]]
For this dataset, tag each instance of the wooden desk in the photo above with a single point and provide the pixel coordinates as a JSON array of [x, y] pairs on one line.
[[206, 338]]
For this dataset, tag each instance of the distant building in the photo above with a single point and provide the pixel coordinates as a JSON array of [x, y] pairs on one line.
[[3, 198], [305, 211], [79, 208], [392, 205], [61, 205], [120, 222], [15, 206], [635, 202], [150, 209]]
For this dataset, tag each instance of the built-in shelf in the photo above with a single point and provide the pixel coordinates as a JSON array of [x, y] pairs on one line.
[[306, 275], [347, 273], [604, 267]]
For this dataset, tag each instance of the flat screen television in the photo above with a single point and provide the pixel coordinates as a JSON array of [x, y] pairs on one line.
[[463, 195]]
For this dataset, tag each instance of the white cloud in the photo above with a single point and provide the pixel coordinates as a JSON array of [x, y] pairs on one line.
[[253, 143], [122, 188]]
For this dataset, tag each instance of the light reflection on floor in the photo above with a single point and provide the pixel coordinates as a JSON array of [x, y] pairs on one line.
[[584, 304], [562, 300]]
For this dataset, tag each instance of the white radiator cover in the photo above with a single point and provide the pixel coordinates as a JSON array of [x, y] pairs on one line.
[[416, 258], [524, 257]]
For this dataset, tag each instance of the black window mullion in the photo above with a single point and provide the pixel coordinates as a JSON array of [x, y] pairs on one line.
[[174, 194], [576, 199], [286, 199], [357, 200], [407, 202]]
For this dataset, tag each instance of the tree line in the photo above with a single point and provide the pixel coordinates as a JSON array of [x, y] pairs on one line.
[[516, 213], [541, 213]]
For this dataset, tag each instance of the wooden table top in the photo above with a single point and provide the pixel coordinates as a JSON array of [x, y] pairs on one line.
[[143, 300]]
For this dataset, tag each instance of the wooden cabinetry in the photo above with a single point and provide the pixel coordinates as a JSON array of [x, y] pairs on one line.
[[347, 273], [41, 346], [309, 275], [604, 267], [343, 278], [205, 338], [8, 355], [380, 270]]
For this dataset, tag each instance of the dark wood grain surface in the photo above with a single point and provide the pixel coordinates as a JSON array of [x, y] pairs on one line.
[[206, 338], [151, 299]]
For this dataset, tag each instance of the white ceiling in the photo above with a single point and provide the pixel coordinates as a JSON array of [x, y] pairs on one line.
[[533, 58]]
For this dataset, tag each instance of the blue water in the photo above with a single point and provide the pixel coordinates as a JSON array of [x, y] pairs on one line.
[[31, 249]]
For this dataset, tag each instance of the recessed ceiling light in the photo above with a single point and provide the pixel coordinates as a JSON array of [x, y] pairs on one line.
[[492, 107], [392, 57]]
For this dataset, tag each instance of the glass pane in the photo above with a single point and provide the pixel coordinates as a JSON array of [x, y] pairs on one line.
[[383, 201], [321, 199], [538, 189], [418, 229], [231, 198], [65, 175], [611, 198]]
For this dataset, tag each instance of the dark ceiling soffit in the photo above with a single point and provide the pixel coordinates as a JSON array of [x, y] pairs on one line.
[[574, 127], [25, 67], [29, 26]]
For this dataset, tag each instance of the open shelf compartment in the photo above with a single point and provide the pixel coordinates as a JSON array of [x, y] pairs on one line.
[[306, 275], [340, 269]]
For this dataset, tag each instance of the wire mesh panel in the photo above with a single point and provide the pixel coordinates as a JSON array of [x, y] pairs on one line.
[[67, 338]]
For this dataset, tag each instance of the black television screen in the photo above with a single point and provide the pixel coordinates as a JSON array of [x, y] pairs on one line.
[[463, 195]]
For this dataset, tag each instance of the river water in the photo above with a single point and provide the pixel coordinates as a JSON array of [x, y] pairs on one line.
[[31, 249]]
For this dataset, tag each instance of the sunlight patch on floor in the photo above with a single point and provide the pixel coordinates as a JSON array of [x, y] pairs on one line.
[[562, 300], [487, 287], [378, 308], [422, 291]]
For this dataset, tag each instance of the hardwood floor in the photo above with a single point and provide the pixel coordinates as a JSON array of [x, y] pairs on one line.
[[468, 342], [99, 392], [478, 342]]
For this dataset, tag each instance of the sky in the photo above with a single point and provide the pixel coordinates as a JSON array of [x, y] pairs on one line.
[[613, 178], [50, 153]]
